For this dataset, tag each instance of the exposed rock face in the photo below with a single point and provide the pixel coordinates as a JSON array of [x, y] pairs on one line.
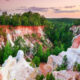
[[13, 32], [31, 35], [22, 30], [10, 39], [45, 68], [17, 69], [73, 55], [76, 30], [76, 42], [59, 75], [1, 77], [66, 75]]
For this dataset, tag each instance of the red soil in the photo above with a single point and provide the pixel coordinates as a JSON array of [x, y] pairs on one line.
[[0, 77], [45, 69], [76, 42]]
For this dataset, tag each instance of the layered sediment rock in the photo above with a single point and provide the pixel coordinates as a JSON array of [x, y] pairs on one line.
[[73, 55], [66, 75], [13, 32], [31, 35], [17, 69]]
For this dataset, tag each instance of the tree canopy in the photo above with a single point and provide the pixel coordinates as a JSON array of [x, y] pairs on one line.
[[26, 19]]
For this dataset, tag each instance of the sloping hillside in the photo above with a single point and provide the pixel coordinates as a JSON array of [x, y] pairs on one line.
[[31, 35]]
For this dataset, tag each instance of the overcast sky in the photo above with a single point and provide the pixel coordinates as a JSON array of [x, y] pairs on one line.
[[48, 8]]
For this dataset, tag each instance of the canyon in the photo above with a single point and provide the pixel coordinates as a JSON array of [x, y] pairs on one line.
[[31, 34], [17, 68]]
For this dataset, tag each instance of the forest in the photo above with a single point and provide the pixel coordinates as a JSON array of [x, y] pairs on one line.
[[26, 19]]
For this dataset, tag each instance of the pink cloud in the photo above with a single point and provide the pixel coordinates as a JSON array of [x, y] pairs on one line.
[[48, 8]]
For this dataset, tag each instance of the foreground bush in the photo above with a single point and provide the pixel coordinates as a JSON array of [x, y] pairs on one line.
[[50, 77], [7, 51], [38, 51], [64, 64], [36, 60], [76, 67], [39, 77]]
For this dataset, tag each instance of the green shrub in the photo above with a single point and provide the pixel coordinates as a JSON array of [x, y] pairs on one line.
[[28, 60], [32, 64], [34, 35], [20, 45], [19, 42], [1, 55], [39, 77], [58, 49], [38, 51], [7, 51], [50, 77], [76, 67], [64, 64], [36, 60]]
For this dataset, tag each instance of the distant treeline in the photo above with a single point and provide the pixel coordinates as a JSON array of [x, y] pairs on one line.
[[33, 19], [65, 20], [26, 19]]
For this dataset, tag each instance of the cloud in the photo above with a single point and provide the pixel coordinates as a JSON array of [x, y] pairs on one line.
[[70, 6], [42, 9], [38, 9], [65, 11], [61, 10], [34, 9]]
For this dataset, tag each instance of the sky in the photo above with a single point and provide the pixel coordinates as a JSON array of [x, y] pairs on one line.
[[47, 8]]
